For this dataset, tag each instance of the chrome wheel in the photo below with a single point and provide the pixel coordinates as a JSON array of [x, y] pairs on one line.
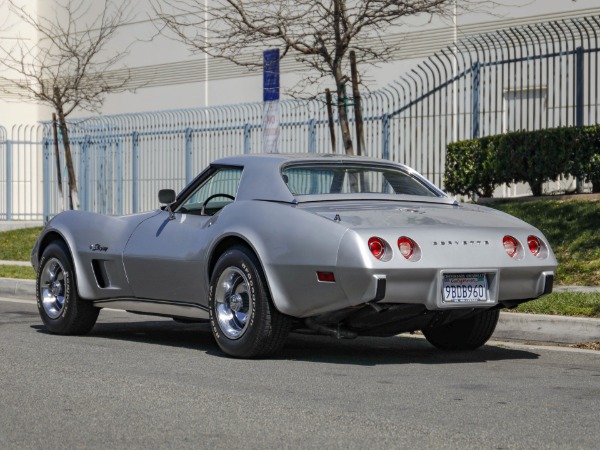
[[52, 288], [233, 302], [243, 318]]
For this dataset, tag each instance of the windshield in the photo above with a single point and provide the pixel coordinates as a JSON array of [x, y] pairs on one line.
[[336, 178]]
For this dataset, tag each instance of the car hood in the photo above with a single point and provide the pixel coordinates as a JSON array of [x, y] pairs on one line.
[[375, 214]]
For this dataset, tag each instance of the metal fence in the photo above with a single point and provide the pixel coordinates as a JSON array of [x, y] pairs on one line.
[[529, 77], [21, 182]]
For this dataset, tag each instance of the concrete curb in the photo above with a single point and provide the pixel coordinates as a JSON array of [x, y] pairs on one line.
[[512, 326], [586, 289], [7, 225], [12, 287], [15, 263], [547, 328]]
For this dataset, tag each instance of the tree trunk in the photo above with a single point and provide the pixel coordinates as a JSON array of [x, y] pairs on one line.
[[58, 171], [346, 136], [360, 135], [330, 118], [343, 116], [73, 194], [345, 127]]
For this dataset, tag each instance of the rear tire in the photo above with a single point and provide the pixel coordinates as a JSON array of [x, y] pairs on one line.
[[244, 321], [59, 305], [467, 334]]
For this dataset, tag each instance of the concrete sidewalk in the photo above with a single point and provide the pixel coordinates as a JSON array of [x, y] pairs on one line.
[[6, 225], [512, 326], [15, 263]]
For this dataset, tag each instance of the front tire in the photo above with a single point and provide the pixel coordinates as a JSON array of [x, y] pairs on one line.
[[244, 321], [58, 302], [467, 334]]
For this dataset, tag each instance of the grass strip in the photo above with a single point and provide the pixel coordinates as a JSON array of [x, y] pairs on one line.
[[578, 304], [16, 245], [571, 226], [21, 272]]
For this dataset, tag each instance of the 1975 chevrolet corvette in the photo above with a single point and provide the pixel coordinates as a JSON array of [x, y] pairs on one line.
[[260, 245]]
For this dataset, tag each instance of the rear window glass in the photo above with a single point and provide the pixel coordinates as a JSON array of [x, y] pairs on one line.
[[335, 179]]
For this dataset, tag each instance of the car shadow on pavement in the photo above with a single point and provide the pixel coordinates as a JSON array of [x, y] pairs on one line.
[[364, 351], [403, 349], [156, 332]]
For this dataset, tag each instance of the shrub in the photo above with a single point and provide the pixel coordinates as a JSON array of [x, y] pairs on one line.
[[535, 157], [470, 167]]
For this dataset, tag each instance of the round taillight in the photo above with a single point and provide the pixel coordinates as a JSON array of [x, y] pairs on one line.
[[535, 246], [377, 247], [406, 246], [511, 246]]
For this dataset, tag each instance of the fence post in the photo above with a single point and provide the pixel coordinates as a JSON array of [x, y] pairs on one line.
[[46, 179], [84, 174], [475, 88], [188, 155], [135, 172], [119, 176], [101, 183], [8, 180], [579, 80], [385, 136], [247, 147], [312, 136]]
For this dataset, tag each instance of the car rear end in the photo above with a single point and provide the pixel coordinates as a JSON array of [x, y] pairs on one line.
[[445, 268]]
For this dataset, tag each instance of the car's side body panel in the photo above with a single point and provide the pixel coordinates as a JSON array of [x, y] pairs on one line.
[[165, 259]]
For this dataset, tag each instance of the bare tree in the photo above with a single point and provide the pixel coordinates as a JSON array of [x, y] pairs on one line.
[[320, 34], [65, 66]]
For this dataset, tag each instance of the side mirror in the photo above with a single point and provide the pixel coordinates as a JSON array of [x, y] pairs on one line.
[[166, 196]]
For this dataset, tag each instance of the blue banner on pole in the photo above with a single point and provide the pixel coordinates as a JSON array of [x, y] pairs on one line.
[[271, 75]]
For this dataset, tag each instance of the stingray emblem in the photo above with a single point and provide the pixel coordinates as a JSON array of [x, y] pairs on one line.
[[98, 248]]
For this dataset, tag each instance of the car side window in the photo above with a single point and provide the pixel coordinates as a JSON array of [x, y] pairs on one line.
[[214, 194]]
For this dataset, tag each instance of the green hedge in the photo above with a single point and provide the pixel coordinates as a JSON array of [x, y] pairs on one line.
[[534, 157]]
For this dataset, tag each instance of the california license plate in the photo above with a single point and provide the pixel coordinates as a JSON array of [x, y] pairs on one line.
[[464, 287]]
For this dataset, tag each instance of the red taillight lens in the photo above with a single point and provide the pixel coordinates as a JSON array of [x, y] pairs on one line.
[[535, 246], [326, 277], [511, 246], [377, 247], [406, 246]]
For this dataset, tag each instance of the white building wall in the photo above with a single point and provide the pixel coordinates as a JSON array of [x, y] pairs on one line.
[[166, 75]]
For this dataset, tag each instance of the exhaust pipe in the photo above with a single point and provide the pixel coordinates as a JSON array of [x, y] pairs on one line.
[[336, 332]]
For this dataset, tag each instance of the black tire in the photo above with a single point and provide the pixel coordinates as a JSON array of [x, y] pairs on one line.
[[58, 302], [467, 334], [244, 321]]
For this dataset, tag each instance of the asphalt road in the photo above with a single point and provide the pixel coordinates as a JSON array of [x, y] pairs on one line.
[[143, 382]]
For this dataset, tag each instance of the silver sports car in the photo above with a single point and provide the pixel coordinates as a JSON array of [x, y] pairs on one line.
[[265, 244]]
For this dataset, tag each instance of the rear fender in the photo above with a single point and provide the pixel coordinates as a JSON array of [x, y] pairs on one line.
[[291, 245]]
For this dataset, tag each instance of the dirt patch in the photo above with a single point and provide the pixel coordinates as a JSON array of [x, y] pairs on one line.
[[587, 345]]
